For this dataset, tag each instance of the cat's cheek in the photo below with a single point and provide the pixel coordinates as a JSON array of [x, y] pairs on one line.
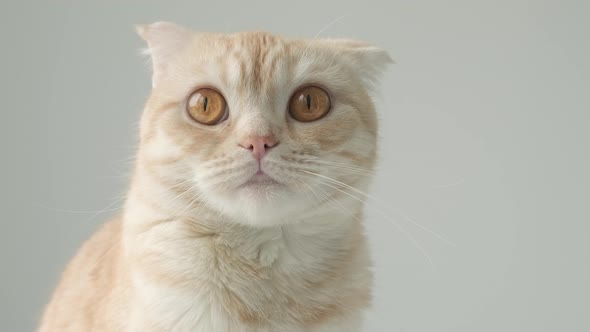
[[326, 134]]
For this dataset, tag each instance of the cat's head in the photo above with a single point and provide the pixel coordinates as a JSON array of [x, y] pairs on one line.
[[259, 127]]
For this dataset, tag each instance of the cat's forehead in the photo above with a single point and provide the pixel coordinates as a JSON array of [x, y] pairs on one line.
[[249, 63], [258, 63], [244, 45], [257, 58], [254, 41]]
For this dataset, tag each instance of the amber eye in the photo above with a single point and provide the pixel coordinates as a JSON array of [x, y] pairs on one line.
[[309, 103], [206, 106]]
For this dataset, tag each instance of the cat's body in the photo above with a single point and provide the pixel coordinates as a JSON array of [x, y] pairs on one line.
[[217, 248], [246, 290]]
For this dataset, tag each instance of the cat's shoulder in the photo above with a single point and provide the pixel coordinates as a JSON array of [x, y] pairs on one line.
[[87, 280]]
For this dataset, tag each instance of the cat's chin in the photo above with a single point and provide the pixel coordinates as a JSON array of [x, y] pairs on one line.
[[261, 201], [259, 184]]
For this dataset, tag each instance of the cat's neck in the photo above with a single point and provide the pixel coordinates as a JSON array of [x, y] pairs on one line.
[[319, 262], [311, 236]]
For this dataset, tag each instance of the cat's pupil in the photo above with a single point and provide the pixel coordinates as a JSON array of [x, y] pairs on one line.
[[205, 104], [308, 102]]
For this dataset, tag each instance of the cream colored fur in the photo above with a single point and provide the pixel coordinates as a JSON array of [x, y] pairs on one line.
[[199, 248]]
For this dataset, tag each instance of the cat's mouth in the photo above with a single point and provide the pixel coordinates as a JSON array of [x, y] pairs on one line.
[[260, 179]]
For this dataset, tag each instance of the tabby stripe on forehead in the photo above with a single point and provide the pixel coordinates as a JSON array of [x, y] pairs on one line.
[[258, 61], [261, 66]]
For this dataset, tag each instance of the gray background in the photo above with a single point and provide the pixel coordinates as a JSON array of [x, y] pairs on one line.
[[484, 126]]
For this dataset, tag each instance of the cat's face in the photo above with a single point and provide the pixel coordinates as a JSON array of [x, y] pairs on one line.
[[259, 127]]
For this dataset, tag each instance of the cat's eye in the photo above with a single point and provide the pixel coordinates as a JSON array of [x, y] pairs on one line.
[[206, 106], [309, 103]]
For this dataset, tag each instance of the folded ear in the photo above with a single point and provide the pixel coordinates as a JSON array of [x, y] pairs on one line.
[[369, 61], [164, 40]]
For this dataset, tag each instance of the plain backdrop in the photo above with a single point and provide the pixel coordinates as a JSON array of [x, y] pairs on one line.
[[481, 218]]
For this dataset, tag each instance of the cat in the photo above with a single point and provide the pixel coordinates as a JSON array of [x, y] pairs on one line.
[[243, 212]]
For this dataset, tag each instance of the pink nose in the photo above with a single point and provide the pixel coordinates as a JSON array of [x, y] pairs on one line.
[[259, 145]]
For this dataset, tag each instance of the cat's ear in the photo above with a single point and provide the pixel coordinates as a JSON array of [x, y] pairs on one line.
[[369, 61], [164, 40]]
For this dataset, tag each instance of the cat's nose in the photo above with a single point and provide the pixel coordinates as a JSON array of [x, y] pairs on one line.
[[259, 145]]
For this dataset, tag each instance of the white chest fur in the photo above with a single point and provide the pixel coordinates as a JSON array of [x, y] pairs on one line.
[[310, 276]]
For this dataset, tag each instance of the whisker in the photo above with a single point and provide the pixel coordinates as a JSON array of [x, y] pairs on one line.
[[107, 252], [221, 171], [422, 227], [106, 208], [195, 198], [382, 205], [398, 226], [349, 170], [180, 183], [304, 55], [326, 194], [320, 200], [183, 193], [306, 165], [336, 163]]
